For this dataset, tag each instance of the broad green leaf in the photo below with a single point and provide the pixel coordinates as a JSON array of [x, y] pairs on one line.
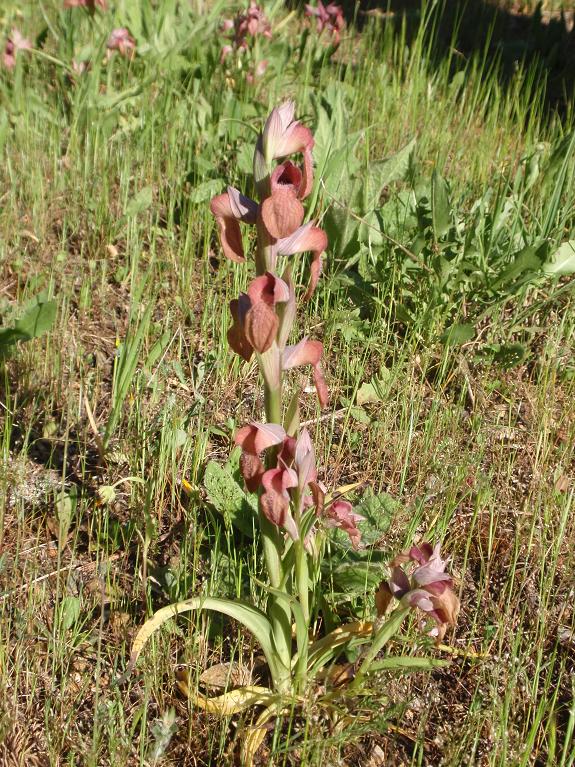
[[525, 260], [357, 577], [458, 334], [36, 321], [229, 498], [249, 616], [206, 190], [562, 261], [70, 611], [440, 210], [381, 174], [140, 202], [379, 511]]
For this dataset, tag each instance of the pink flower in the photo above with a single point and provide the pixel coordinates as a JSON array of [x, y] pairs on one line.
[[14, 44], [89, 4], [249, 23], [340, 514], [253, 440], [275, 500], [229, 209], [279, 213], [282, 136], [329, 17], [429, 588], [306, 238], [256, 322], [122, 41], [282, 212]]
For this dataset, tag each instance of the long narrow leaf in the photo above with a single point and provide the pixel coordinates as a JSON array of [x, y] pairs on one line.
[[407, 663], [382, 636], [253, 619]]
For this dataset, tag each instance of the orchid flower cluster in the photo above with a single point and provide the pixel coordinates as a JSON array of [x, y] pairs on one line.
[[245, 26], [122, 41], [329, 17], [14, 44], [263, 318], [427, 587]]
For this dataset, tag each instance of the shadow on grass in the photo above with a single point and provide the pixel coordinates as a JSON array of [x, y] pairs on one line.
[[544, 39]]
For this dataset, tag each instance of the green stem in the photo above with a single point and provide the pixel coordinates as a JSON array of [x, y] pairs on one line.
[[302, 578], [279, 610]]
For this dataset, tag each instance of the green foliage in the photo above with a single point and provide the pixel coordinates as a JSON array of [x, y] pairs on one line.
[[38, 318], [225, 491]]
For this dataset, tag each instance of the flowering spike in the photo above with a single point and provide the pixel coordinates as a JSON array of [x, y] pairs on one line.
[[14, 44], [122, 41]]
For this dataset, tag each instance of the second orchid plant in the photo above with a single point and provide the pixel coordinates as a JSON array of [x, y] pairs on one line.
[[278, 461]]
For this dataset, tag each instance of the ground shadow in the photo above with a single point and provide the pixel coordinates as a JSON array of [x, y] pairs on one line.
[[479, 26]]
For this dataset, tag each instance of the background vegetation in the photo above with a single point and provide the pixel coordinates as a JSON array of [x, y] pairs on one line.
[[445, 180]]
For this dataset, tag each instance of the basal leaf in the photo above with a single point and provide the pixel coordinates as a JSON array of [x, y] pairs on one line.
[[249, 616], [458, 334], [385, 172], [140, 202], [36, 321], [229, 498], [407, 663], [562, 261]]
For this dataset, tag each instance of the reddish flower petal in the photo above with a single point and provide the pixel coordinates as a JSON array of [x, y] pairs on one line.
[[276, 125], [303, 353], [236, 336], [261, 326], [269, 289], [286, 174], [252, 470], [308, 353], [275, 501], [229, 208], [340, 514], [383, 598], [282, 212], [257, 437], [90, 4], [307, 237], [447, 606]]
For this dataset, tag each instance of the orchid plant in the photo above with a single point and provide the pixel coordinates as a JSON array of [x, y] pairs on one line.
[[242, 34], [278, 460]]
